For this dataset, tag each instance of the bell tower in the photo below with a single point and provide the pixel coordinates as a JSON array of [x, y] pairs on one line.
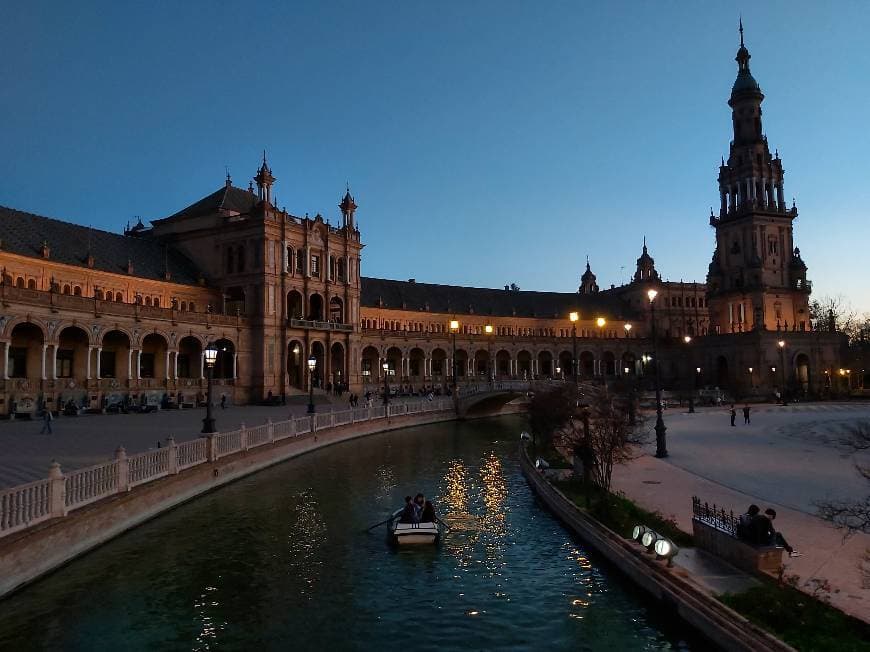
[[756, 280]]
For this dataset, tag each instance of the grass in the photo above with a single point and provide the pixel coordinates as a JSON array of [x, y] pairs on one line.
[[806, 623], [621, 514]]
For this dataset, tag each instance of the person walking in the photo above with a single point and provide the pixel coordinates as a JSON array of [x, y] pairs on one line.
[[46, 421], [746, 409], [223, 401], [733, 416]]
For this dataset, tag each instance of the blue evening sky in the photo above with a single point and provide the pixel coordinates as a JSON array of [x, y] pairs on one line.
[[485, 142]]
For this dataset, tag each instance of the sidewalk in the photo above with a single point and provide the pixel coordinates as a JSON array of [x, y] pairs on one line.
[[657, 485]]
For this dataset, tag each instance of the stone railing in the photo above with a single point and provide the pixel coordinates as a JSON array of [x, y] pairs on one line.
[[320, 325], [59, 494]]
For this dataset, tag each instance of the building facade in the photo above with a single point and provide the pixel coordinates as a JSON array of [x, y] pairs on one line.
[[98, 318]]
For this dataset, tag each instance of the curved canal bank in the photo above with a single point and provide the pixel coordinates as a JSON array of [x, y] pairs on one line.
[[280, 559]]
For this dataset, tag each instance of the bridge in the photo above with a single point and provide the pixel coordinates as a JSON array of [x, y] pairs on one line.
[[482, 398]]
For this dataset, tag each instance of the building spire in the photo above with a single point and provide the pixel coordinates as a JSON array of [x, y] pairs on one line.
[[741, 31]]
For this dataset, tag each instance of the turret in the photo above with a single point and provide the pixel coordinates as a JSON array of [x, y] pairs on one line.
[[348, 208]]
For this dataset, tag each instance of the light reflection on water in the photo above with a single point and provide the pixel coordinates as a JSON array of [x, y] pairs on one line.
[[282, 560]]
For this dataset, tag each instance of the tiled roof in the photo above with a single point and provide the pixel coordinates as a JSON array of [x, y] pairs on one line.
[[228, 198], [23, 233], [485, 301]]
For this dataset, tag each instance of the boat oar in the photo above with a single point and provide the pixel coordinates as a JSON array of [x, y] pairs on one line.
[[372, 527], [443, 523]]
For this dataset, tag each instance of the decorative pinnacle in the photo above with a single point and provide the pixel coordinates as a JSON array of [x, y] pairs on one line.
[[741, 31]]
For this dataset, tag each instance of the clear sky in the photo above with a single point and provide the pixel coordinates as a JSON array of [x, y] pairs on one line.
[[485, 142]]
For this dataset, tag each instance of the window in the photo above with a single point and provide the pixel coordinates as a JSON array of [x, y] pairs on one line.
[[366, 367], [146, 365], [184, 366], [65, 363], [17, 362], [315, 265], [288, 262], [300, 262], [240, 257], [772, 246], [107, 364], [437, 367]]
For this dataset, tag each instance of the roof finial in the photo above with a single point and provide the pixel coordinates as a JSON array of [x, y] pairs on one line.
[[644, 244], [264, 156], [229, 180], [741, 31]]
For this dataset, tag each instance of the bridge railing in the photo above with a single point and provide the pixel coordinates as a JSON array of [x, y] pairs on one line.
[[28, 504]]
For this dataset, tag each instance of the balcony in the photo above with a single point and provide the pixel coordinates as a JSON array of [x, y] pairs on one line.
[[320, 325]]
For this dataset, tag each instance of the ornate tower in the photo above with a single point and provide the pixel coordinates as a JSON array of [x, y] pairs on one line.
[[348, 207], [756, 279], [646, 267], [264, 181], [588, 284]]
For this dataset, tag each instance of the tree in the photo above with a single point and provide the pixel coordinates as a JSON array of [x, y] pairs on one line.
[[852, 515], [550, 409], [834, 314]]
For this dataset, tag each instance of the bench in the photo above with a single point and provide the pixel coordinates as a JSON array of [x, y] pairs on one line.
[[715, 531]]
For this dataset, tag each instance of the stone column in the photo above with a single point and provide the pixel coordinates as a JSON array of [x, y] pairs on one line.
[[235, 365], [54, 363], [42, 367], [167, 364], [99, 353], [138, 364], [130, 364], [6, 360], [202, 366], [88, 364]]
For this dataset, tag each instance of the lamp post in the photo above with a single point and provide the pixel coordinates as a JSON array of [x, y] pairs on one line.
[[488, 329], [661, 430], [781, 345], [211, 354], [454, 328], [312, 365], [386, 367], [600, 322], [559, 372], [687, 339], [574, 317], [751, 381]]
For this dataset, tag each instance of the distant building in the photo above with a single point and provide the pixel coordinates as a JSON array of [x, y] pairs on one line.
[[101, 318]]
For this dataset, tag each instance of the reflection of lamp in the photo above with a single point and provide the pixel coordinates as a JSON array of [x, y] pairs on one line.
[[386, 367], [210, 357], [312, 365]]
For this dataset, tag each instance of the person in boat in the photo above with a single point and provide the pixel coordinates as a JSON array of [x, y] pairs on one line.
[[419, 501], [428, 515], [409, 512]]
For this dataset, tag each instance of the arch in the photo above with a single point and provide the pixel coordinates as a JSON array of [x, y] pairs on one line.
[[586, 364], [31, 284], [147, 301], [115, 355], [439, 363], [394, 360], [295, 364], [481, 363], [416, 364], [152, 356], [25, 350], [545, 364], [224, 365], [722, 375], [19, 282], [66, 288], [319, 353], [460, 363], [608, 364], [337, 373], [295, 305], [370, 364], [315, 307], [802, 372], [98, 294], [503, 364], [71, 353], [336, 310], [119, 298], [189, 357], [565, 365], [629, 362], [524, 364]]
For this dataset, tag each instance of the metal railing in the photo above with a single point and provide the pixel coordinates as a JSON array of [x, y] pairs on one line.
[[714, 516]]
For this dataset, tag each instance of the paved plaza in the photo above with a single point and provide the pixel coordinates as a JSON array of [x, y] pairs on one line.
[[787, 458], [76, 442]]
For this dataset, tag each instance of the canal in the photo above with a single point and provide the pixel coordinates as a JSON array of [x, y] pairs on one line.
[[281, 560]]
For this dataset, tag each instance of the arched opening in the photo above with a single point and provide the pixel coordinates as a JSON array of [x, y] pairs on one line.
[[394, 360], [503, 364], [224, 364], [318, 352], [722, 377], [481, 363], [608, 364], [336, 310], [524, 365], [295, 305], [315, 307], [545, 364], [416, 365], [234, 301], [189, 358], [295, 364], [336, 360], [115, 355], [72, 353], [802, 373], [628, 363], [587, 364], [460, 363], [25, 351], [152, 359], [370, 364], [19, 282], [565, 367], [439, 365], [31, 284]]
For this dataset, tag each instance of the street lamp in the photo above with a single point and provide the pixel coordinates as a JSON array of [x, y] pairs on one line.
[[781, 345], [687, 339], [386, 367], [574, 316], [559, 372], [312, 365], [211, 354], [661, 441], [488, 329], [751, 382], [627, 328], [454, 328]]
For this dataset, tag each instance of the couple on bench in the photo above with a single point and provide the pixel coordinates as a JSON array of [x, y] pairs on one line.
[[757, 529]]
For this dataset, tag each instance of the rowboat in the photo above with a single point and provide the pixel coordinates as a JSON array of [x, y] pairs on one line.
[[402, 534]]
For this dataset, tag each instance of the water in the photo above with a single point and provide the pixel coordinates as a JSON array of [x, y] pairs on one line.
[[280, 561]]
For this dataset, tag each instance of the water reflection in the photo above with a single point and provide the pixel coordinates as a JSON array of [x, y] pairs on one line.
[[209, 625], [306, 533]]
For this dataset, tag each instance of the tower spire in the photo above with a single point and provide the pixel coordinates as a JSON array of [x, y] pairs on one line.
[[741, 31]]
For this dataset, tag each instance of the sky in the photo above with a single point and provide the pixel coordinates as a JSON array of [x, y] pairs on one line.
[[485, 143]]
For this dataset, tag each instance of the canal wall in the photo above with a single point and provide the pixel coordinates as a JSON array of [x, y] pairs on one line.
[[39, 548], [723, 626]]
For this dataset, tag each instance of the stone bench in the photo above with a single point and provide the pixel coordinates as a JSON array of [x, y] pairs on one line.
[[723, 544]]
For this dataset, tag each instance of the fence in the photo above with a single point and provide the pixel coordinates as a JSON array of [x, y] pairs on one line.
[[32, 503], [714, 516]]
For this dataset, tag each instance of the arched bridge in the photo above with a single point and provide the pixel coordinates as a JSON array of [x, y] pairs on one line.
[[479, 399]]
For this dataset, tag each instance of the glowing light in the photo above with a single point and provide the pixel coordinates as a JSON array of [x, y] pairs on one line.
[[652, 294], [454, 325], [574, 316]]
